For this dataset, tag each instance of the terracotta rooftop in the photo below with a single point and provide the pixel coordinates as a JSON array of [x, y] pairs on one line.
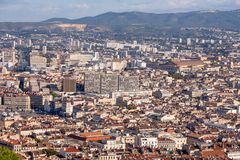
[[181, 63], [71, 150]]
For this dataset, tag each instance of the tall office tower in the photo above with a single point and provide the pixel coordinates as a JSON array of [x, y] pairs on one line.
[[78, 43], [69, 85], [14, 45], [109, 83], [71, 42], [92, 83], [19, 41], [180, 40], [189, 42], [197, 40], [129, 83], [44, 49], [29, 43]]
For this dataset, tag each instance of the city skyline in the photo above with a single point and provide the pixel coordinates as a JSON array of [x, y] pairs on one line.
[[144, 79], [34, 11]]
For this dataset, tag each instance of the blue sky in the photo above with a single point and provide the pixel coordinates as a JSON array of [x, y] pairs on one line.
[[38, 10]]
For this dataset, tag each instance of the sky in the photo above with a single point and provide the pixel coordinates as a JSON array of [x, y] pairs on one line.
[[39, 10]]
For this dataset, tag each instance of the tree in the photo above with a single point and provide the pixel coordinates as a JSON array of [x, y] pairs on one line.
[[131, 107], [6, 154], [38, 140], [50, 152], [177, 76], [54, 94]]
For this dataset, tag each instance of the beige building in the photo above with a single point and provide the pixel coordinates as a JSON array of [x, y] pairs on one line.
[[186, 65], [179, 139], [69, 85], [16, 102], [75, 58], [38, 62], [8, 56], [118, 65]]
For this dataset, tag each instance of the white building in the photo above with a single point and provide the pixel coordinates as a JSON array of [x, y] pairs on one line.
[[179, 139], [168, 118], [111, 144], [44, 49], [109, 156], [234, 155], [147, 142], [67, 108], [189, 42]]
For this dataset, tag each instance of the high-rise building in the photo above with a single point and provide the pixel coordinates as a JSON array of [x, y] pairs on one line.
[[34, 86], [92, 83], [69, 85], [71, 42], [67, 107], [128, 83], [189, 41], [197, 40], [101, 83], [96, 56], [17, 102], [220, 41], [8, 56], [78, 43], [14, 44], [180, 40], [19, 41], [109, 83], [37, 61], [44, 49], [21, 82], [38, 100], [29, 43]]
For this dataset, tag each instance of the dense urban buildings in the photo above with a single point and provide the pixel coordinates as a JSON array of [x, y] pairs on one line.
[[79, 92]]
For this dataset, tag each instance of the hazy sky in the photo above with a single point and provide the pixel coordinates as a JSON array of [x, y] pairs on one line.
[[38, 10]]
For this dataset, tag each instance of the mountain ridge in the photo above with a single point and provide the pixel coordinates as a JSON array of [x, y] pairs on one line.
[[208, 18], [140, 22]]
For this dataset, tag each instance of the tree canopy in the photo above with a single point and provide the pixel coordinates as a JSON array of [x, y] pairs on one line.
[[6, 154]]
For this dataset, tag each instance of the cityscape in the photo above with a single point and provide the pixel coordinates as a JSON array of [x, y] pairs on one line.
[[127, 84]]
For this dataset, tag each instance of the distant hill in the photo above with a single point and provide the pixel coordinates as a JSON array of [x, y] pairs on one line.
[[139, 22], [57, 20], [221, 19], [18, 26]]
